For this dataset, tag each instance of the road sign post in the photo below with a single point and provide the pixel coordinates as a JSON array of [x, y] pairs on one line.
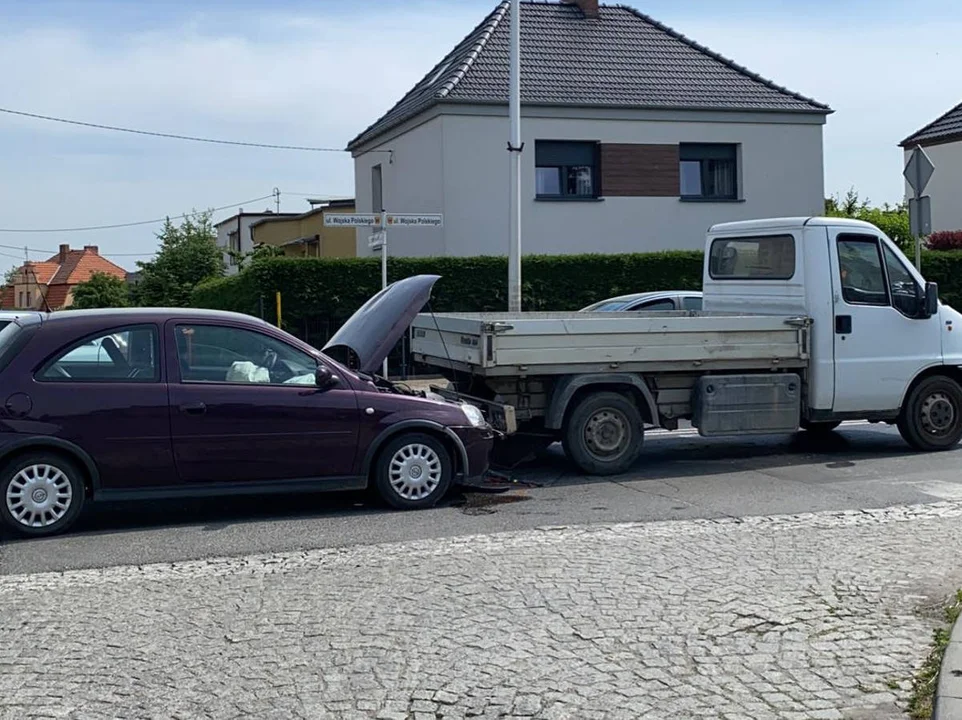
[[918, 171], [378, 239]]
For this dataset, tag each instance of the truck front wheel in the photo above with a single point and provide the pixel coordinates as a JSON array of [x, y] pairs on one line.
[[604, 434], [931, 418]]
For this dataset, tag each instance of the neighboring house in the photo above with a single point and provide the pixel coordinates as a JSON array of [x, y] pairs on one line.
[[942, 141], [305, 235], [49, 285], [636, 138], [234, 235]]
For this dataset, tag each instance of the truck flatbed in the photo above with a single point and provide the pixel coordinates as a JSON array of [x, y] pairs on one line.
[[492, 344]]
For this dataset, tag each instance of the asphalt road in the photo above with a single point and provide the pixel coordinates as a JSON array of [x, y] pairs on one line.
[[681, 476]]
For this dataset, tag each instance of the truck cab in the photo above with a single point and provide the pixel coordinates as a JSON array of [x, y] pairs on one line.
[[877, 330]]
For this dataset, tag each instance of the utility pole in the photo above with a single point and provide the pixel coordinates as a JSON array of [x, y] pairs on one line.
[[277, 199], [515, 148]]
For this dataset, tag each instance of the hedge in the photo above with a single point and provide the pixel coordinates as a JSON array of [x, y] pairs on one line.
[[328, 291], [313, 287]]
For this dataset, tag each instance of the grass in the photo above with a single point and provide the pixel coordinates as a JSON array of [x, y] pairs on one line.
[[922, 699]]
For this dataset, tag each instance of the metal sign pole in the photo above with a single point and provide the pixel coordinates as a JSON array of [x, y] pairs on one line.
[[514, 150], [384, 268]]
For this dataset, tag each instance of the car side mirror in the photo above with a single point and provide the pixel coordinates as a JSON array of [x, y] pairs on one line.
[[324, 378], [931, 299]]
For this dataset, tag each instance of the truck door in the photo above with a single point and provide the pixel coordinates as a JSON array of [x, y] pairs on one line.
[[882, 340]]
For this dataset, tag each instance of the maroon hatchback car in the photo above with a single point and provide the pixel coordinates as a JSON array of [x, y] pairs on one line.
[[148, 403]]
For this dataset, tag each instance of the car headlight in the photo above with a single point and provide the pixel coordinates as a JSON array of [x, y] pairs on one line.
[[473, 415]]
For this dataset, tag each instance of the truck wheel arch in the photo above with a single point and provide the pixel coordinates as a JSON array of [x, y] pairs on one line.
[[459, 456], [953, 372], [570, 385]]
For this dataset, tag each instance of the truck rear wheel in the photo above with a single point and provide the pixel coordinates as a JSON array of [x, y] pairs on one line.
[[931, 418], [604, 434]]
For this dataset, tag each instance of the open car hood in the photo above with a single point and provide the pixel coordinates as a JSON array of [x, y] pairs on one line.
[[373, 331]]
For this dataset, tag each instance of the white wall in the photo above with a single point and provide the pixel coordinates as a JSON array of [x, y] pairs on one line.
[[458, 164], [945, 187], [247, 244], [412, 182]]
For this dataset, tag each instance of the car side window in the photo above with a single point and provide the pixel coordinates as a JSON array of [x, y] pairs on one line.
[[691, 303], [905, 291], [654, 305], [121, 355], [222, 354], [860, 267]]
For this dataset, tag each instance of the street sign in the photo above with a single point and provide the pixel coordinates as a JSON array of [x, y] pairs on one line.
[[920, 216], [415, 220], [355, 220], [918, 170], [377, 240]]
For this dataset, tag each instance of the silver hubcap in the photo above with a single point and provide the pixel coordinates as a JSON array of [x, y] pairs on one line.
[[607, 434], [415, 471], [938, 414], [39, 495]]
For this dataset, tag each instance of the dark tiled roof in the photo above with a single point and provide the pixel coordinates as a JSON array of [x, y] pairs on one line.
[[623, 59], [945, 128]]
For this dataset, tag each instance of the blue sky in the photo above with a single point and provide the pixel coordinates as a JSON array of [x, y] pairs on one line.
[[318, 72]]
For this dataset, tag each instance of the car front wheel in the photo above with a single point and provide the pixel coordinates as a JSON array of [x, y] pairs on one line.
[[42, 492], [932, 416], [413, 471]]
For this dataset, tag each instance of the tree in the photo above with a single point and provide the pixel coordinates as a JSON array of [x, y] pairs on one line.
[[101, 291], [188, 255], [260, 252], [893, 220], [13, 275]]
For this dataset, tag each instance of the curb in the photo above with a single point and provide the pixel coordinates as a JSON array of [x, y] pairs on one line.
[[948, 691]]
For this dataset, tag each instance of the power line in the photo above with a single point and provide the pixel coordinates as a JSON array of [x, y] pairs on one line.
[[126, 225], [173, 136]]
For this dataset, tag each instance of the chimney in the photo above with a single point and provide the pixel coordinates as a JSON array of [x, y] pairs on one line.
[[64, 250], [92, 249], [588, 7]]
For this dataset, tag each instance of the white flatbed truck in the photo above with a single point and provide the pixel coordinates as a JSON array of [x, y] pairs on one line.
[[806, 322]]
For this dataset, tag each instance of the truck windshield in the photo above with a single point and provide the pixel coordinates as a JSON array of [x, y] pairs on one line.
[[765, 257]]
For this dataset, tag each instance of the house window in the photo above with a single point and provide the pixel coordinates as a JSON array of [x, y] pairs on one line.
[[21, 299], [377, 190], [29, 299], [709, 172], [566, 170]]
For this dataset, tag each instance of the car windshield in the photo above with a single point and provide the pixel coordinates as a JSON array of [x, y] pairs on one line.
[[608, 306]]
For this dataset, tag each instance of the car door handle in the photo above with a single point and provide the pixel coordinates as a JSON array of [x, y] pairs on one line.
[[843, 324], [193, 408]]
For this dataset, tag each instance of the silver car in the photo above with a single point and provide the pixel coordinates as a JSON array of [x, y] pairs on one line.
[[8, 316], [649, 302]]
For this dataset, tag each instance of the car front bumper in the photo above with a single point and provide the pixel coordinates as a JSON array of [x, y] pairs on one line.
[[477, 443]]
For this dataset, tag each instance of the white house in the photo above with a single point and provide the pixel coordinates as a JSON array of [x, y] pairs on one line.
[[234, 235], [942, 141], [636, 138]]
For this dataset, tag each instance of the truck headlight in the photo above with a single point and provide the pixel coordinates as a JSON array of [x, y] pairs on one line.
[[473, 415]]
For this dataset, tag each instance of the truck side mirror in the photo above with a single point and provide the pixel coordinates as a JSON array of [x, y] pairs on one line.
[[931, 299]]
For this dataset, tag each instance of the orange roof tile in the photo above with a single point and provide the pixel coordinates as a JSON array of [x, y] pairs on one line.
[[44, 271], [80, 265], [56, 297]]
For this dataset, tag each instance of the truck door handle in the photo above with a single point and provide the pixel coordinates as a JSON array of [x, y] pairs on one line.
[[843, 324], [193, 408]]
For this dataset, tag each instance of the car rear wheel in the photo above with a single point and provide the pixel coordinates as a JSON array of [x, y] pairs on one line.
[[931, 418], [413, 471], [42, 494]]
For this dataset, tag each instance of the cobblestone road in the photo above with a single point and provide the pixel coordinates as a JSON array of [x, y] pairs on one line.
[[811, 616]]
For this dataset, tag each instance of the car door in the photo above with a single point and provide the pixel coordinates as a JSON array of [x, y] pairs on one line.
[[244, 408], [881, 343], [107, 394]]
